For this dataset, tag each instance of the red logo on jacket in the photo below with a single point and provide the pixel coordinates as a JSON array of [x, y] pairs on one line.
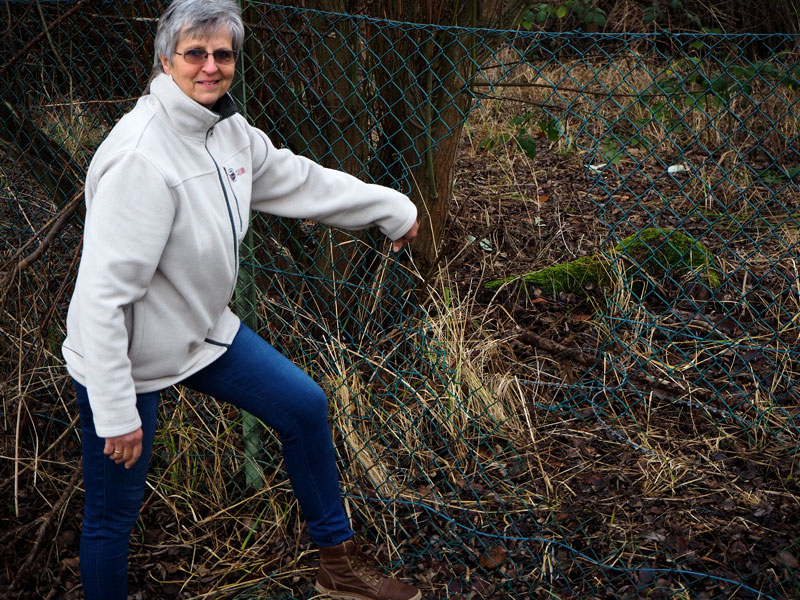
[[234, 174]]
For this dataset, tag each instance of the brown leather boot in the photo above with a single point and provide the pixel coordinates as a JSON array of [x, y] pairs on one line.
[[345, 573]]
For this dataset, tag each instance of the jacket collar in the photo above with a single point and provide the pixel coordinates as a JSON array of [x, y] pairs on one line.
[[183, 114]]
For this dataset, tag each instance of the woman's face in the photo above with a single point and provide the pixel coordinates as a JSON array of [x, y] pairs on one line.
[[207, 82]]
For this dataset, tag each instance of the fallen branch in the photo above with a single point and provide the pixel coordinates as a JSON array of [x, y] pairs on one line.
[[45, 525], [67, 430], [553, 347], [58, 224], [588, 360], [55, 221], [61, 221]]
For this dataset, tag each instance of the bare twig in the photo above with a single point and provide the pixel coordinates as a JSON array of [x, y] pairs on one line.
[[554, 347], [588, 360], [559, 88], [57, 225], [57, 442], [61, 221], [45, 525], [14, 60], [64, 284]]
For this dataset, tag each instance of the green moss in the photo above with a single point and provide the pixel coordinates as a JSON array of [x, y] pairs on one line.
[[657, 251], [573, 275], [652, 251]]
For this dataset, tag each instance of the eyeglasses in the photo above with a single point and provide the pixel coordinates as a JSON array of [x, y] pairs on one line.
[[196, 56]]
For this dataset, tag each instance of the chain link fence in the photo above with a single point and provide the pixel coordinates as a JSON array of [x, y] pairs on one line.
[[688, 157]]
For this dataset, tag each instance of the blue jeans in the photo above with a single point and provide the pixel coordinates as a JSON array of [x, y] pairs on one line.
[[253, 376]]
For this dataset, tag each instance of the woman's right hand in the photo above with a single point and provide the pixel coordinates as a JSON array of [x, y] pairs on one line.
[[398, 244], [125, 449]]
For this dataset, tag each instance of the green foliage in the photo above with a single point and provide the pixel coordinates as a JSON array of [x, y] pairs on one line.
[[585, 11], [778, 176], [687, 85], [655, 13], [772, 16], [527, 127], [611, 151], [719, 85]]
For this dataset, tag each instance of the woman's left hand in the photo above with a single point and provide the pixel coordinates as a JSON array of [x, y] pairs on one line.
[[398, 244], [124, 449]]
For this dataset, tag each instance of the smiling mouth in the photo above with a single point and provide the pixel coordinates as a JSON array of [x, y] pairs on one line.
[[208, 83]]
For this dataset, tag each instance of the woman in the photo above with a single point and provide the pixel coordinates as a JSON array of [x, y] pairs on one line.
[[167, 200]]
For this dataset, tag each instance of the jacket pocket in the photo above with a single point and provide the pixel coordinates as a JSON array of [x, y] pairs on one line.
[[135, 317], [216, 343], [75, 352]]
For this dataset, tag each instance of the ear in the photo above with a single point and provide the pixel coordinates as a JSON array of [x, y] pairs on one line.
[[165, 65]]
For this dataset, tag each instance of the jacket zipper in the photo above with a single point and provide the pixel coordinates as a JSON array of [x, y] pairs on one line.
[[230, 213], [235, 198]]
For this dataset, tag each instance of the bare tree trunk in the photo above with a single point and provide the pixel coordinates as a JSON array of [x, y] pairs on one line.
[[380, 101]]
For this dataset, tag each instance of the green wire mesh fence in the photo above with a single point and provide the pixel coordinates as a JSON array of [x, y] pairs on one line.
[[687, 146]]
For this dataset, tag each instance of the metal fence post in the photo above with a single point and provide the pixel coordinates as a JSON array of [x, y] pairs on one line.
[[245, 299], [245, 306]]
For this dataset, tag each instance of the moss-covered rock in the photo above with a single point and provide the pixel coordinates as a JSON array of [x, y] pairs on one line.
[[653, 251]]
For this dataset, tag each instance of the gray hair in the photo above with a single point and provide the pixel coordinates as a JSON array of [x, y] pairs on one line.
[[196, 18]]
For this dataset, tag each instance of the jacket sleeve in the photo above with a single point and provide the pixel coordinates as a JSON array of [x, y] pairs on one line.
[[130, 210], [289, 185]]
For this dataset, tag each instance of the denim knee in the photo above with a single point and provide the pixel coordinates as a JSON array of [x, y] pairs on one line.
[[111, 518], [310, 406]]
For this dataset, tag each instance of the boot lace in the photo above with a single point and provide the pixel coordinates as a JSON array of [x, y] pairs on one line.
[[365, 569]]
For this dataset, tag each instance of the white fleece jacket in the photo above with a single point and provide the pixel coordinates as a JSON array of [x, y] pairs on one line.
[[168, 195]]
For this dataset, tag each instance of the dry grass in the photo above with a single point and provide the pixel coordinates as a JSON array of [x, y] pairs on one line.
[[585, 475]]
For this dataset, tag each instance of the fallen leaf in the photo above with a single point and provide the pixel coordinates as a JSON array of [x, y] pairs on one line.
[[646, 577], [737, 548], [481, 588], [582, 317], [70, 564], [788, 560], [595, 480], [493, 557], [455, 587]]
